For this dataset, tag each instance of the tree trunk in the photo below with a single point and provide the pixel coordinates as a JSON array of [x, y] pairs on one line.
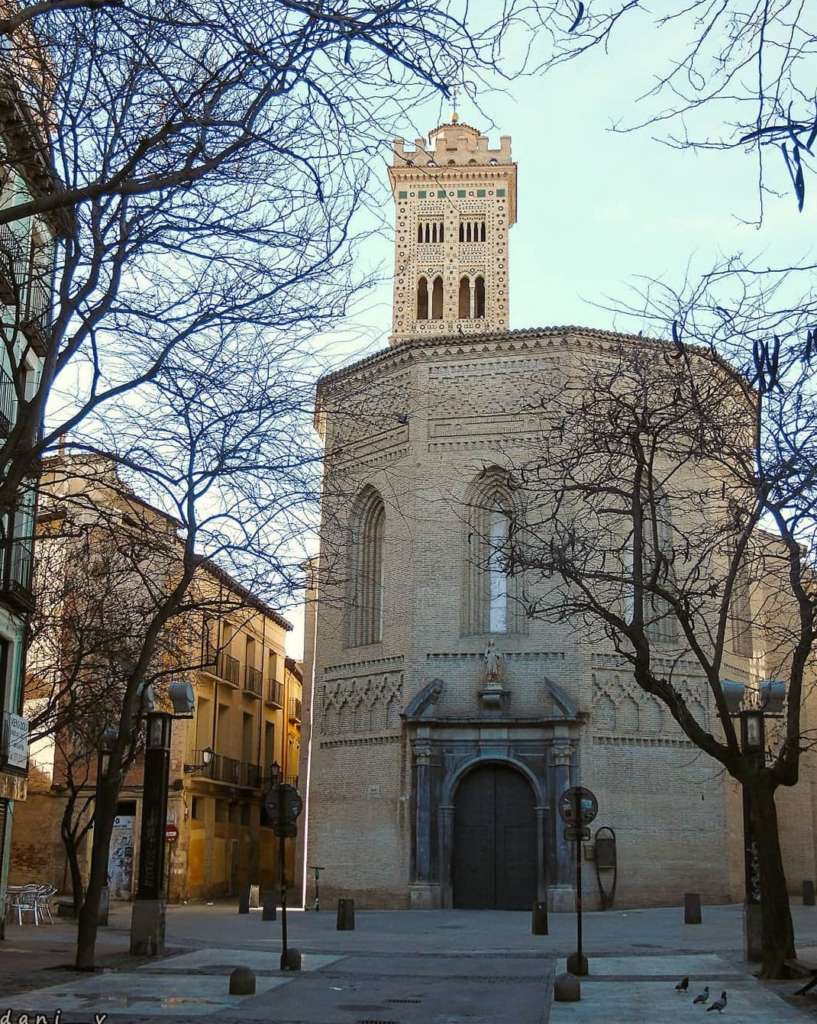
[[69, 841], [776, 922], [104, 815]]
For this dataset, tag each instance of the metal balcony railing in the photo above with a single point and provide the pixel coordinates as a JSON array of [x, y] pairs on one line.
[[16, 567], [229, 668], [8, 402], [295, 710], [275, 694], [252, 680], [230, 770]]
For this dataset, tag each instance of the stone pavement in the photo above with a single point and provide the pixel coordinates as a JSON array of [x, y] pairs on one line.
[[443, 967]]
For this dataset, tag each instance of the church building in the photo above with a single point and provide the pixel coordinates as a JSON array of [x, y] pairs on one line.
[[441, 725]]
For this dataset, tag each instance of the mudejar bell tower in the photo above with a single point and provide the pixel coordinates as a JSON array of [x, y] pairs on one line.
[[455, 199]]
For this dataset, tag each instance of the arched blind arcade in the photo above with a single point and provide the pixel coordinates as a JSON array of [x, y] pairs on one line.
[[365, 606]]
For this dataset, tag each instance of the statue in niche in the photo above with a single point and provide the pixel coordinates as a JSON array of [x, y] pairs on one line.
[[493, 664]]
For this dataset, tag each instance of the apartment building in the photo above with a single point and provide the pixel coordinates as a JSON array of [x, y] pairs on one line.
[[245, 730], [27, 248]]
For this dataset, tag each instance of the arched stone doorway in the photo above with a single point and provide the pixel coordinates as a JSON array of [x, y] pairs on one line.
[[495, 857]]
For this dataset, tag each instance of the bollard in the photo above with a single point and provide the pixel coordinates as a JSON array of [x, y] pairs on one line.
[[291, 961], [808, 893], [242, 982], [268, 907], [539, 919], [104, 905], [577, 965], [566, 989], [346, 915], [692, 908], [244, 899]]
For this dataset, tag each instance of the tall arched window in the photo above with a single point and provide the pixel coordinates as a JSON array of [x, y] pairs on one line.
[[422, 299], [419, 232], [465, 299], [365, 604], [658, 616], [479, 297], [437, 299], [482, 232], [462, 232], [492, 590]]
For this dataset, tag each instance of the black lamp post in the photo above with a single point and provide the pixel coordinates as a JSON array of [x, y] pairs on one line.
[[107, 742], [148, 915], [771, 696]]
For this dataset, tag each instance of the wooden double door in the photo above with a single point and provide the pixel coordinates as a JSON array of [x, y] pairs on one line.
[[495, 849]]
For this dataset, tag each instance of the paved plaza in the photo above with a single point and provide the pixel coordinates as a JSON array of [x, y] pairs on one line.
[[435, 967]]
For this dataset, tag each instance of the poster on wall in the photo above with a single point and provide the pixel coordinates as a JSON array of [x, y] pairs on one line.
[[120, 858]]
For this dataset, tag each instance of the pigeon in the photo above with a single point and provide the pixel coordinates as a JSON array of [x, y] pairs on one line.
[[719, 1004], [682, 985], [702, 997]]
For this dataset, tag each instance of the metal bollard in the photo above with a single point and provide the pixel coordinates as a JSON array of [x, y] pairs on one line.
[[346, 915], [808, 892], [539, 919], [692, 908], [244, 899], [268, 906], [242, 982]]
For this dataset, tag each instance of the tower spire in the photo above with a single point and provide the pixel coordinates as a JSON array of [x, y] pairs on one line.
[[455, 95]]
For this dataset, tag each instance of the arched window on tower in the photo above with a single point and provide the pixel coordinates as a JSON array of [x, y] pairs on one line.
[[441, 232], [437, 299], [422, 299], [365, 590], [482, 232], [492, 591], [419, 232], [465, 299], [462, 232], [479, 297], [434, 232]]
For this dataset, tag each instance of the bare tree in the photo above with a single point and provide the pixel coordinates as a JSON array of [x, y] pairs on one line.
[[209, 163], [668, 510], [742, 64]]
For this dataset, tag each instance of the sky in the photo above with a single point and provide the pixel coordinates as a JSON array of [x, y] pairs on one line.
[[598, 209]]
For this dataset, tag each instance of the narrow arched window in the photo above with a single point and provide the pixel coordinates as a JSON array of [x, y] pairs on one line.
[[482, 232], [434, 232], [428, 232], [479, 297], [419, 232], [468, 231], [422, 299], [657, 531], [492, 589], [462, 232], [365, 592], [465, 299], [437, 299], [441, 232]]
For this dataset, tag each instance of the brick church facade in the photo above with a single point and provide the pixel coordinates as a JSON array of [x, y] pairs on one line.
[[440, 724]]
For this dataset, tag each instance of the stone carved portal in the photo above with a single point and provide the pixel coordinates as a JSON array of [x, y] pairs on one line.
[[495, 857], [457, 764]]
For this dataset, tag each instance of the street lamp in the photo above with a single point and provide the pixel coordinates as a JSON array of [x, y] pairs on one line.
[[148, 915], [772, 695], [206, 760]]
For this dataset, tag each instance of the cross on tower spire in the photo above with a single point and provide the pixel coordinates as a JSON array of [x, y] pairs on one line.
[[455, 95]]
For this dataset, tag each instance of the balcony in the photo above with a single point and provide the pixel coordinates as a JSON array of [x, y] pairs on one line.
[[12, 265], [252, 681], [36, 318], [275, 694], [229, 770], [294, 710], [15, 575], [229, 668], [8, 402]]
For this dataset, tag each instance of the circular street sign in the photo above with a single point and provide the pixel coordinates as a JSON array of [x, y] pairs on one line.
[[292, 802], [577, 798], [171, 832]]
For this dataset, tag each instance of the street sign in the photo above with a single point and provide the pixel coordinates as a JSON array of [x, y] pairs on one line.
[[577, 798], [171, 832], [272, 802], [572, 834]]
